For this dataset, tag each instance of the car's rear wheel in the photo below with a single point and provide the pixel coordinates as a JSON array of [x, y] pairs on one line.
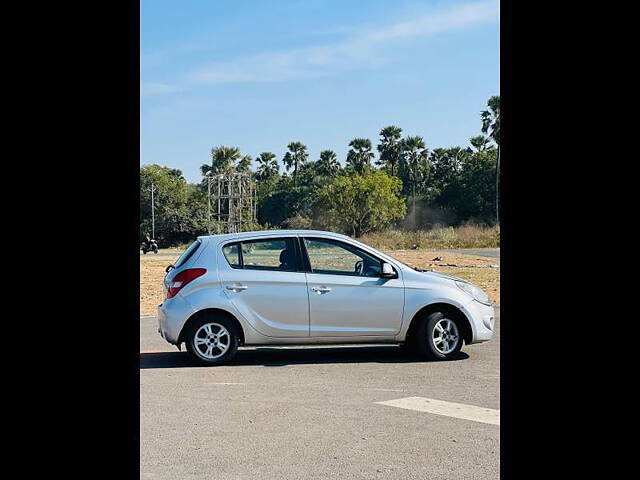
[[439, 337], [212, 339]]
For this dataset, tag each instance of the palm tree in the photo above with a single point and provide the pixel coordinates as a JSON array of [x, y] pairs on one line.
[[416, 164], [327, 165], [267, 165], [222, 159], [456, 158], [296, 155], [491, 124], [480, 143], [360, 154], [390, 147], [244, 165]]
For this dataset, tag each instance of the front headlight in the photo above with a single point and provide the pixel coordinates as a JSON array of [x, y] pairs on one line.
[[475, 292]]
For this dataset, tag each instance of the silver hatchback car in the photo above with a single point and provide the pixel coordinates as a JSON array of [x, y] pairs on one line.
[[283, 287]]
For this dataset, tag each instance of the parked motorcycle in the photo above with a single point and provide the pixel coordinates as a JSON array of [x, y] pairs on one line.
[[148, 246]]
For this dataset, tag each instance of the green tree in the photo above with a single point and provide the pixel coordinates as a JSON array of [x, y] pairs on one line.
[[327, 165], [471, 194], [244, 164], [178, 206], [390, 148], [491, 119], [447, 164], [491, 125], [414, 167], [197, 205], [308, 175], [360, 155], [222, 159], [362, 203], [283, 202], [480, 143], [267, 166], [296, 156], [448, 167]]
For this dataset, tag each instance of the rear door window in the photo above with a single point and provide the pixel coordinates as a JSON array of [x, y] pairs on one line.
[[276, 254], [269, 254]]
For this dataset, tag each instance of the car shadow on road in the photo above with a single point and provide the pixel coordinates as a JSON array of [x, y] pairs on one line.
[[280, 357]]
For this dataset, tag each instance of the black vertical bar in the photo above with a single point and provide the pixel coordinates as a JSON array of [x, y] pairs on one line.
[[132, 123]]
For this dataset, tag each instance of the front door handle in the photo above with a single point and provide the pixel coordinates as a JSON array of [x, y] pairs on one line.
[[321, 289], [236, 288]]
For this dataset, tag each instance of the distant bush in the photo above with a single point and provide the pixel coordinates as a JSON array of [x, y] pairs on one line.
[[298, 222], [466, 236]]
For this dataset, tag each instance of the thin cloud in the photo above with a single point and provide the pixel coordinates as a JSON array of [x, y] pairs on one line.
[[365, 49], [456, 18]]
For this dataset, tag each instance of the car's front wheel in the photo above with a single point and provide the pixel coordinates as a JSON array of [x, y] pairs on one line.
[[439, 337], [212, 339]]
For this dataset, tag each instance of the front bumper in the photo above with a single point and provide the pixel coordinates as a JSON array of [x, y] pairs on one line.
[[172, 315], [483, 320]]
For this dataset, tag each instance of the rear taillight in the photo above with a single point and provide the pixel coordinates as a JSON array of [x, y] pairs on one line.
[[182, 279]]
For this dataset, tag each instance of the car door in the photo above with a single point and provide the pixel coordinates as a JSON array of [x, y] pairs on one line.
[[347, 296], [264, 282]]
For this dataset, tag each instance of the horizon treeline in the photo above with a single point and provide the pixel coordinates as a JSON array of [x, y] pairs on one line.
[[400, 182]]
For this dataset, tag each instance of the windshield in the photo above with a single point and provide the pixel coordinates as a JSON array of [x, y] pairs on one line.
[[406, 264], [187, 253]]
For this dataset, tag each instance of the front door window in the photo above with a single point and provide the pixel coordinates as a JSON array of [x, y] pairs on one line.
[[337, 258]]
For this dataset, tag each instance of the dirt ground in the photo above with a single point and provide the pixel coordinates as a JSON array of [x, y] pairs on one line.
[[481, 271]]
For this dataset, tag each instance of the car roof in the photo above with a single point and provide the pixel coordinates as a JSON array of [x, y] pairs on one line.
[[272, 233]]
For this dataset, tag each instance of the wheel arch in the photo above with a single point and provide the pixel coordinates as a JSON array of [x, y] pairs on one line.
[[447, 308], [218, 311]]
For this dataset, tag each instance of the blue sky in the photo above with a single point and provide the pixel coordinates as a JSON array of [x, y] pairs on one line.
[[260, 74]]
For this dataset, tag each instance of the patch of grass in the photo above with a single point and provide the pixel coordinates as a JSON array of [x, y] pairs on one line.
[[467, 236]]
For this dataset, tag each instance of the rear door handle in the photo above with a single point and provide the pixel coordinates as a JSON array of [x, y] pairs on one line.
[[236, 288], [321, 289]]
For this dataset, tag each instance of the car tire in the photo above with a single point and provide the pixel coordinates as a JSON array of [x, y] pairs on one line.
[[439, 337], [409, 347], [212, 339]]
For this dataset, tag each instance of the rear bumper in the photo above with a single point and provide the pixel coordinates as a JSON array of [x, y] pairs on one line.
[[172, 315], [483, 319]]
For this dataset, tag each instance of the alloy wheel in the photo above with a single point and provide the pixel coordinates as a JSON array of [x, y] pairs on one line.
[[212, 340], [445, 336]]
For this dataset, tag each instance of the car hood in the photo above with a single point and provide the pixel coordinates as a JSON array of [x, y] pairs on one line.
[[438, 275]]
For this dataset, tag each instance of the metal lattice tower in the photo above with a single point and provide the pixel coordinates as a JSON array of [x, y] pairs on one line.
[[232, 202]]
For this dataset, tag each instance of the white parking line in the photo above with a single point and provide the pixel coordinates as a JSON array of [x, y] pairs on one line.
[[448, 409]]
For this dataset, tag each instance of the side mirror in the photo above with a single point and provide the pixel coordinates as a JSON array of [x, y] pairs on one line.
[[388, 271], [169, 268]]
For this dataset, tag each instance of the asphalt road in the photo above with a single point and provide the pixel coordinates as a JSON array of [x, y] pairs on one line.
[[311, 413]]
